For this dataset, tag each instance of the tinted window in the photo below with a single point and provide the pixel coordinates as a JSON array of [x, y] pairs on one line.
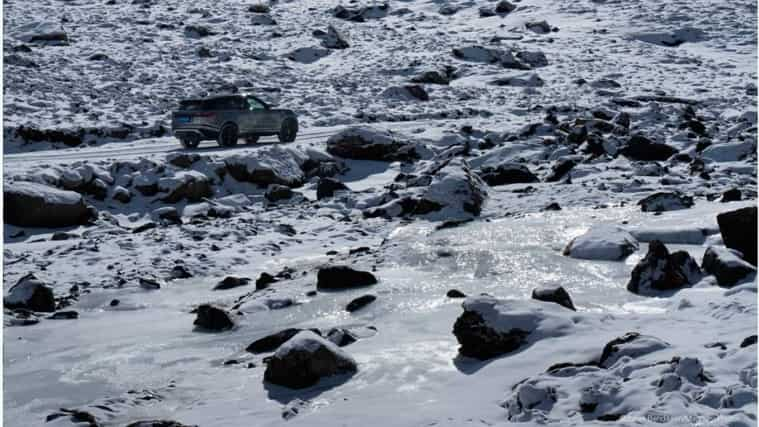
[[224, 104], [194, 105]]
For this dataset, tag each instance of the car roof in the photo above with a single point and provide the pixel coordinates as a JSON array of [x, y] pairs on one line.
[[222, 96]]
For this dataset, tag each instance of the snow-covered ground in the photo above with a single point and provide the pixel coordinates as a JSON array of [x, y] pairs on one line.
[[548, 159]]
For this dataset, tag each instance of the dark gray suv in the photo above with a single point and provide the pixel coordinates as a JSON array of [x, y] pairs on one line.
[[227, 118]]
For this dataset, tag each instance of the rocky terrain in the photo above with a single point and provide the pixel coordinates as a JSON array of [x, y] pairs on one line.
[[495, 213]]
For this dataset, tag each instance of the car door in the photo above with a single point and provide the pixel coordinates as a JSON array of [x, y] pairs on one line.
[[255, 116]]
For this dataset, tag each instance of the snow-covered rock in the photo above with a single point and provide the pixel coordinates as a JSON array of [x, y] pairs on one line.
[[370, 143], [41, 32], [334, 39], [520, 80], [630, 345], [507, 173], [490, 327], [661, 271], [308, 55], [275, 166], [406, 93], [192, 186], [739, 231], [729, 151], [727, 267], [305, 359], [30, 293], [670, 39], [556, 294], [29, 204], [603, 242]]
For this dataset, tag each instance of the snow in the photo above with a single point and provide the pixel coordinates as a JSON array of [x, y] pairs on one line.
[[49, 194], [602, 243]]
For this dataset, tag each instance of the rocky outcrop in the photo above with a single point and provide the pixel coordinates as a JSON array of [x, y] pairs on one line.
[[28, 204], [368, 143], [305, 359]]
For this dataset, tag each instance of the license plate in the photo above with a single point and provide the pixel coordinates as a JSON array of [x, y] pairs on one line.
[[184, 119]]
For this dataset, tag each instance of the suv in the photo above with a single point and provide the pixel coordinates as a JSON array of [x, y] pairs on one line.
[[227, 118]]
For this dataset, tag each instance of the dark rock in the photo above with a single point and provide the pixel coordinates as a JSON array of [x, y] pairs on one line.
[[748, 341], [343, 277], [739, 231], [144, 227], [503, 7], [560, 169], [480, 341], [28, 204], [264, 280], [726, 266], [114, 303], [182, 160], [632, 344], [305, 359], [334, 39], [340, 337], [360, 303], [327, 186], [432, 77], [180, 272], [639, 147], [660, 271], [366, 143], [71, 314], [557, 294], [665, 201], [67, 137], [212, 318], [552, 207], [507, 173], [150, 283], [230, 282], [121, 194], [731, 195], [159, 423], [270, 343], [30, 293], [193, 188], [455, 293]]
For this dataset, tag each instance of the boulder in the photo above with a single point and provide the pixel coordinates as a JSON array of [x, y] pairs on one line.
[[455, 293], [639, 147], [305, 359], [504, 7], [507, 173], [603, 242], [520, 80], [327, 186], [555, 294], [632, 345], [29, 204], [121, 194], [159, 423], [661, 271], [665, 201], [334, 39], [731, 195], [212, 318], [230, 282], [272, 342], [192, 186], [406, 93], [151, 283], [182, 160], [30, 293], [264, 280], [359, 303], [262, 19], [727, 267], [275, 166], [490, 327], [68, 137], [343, 277], [437, 77], [308, 55], [361, 14], [369, 143], [560, 169], [739, 231]]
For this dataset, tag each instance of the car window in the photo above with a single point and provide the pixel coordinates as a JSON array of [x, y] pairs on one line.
[[254, 104], [224, 104], [193, 105]]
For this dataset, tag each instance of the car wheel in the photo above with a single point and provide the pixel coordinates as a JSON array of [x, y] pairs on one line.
[[190, 141], [251, 139], [288, 131], [228, 136]]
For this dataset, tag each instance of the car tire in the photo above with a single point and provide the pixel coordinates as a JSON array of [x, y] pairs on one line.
[[252, 139], [288, 131], [228, 135], [190, 141]]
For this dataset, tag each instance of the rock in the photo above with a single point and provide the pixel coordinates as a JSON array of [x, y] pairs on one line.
[[272, 342], [553, 206], [727, 267], [490, 327], [434, 77], [275, 166], [64, 315], [507, 173], [343, 277], [180, 272], [661, 271], [308, 55], [340, 337], [150, 283], [603, 242], [230, 282], [560, 169], [334, 39], [30, 293], [632, 344], [29, 204], [327, 186], [197, 31], [305, 359], [557, 294], [121, 194], [259, 8], [277, 192], [42, 33], [262, 19], [144, 227], [360, 303], [19, 61], [540, 27], [159, 423], [192, 186], [640, 148], [455, 293], [69, 138], [182, 160], [368, 143], [504, 7], [731, 195], [213, 318], [749, 341], [406, 93], [361, 14], [739, 231], [167, 214], [264, 280], [665, 201]]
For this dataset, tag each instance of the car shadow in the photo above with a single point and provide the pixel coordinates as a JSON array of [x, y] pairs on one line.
[[285, 395]]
